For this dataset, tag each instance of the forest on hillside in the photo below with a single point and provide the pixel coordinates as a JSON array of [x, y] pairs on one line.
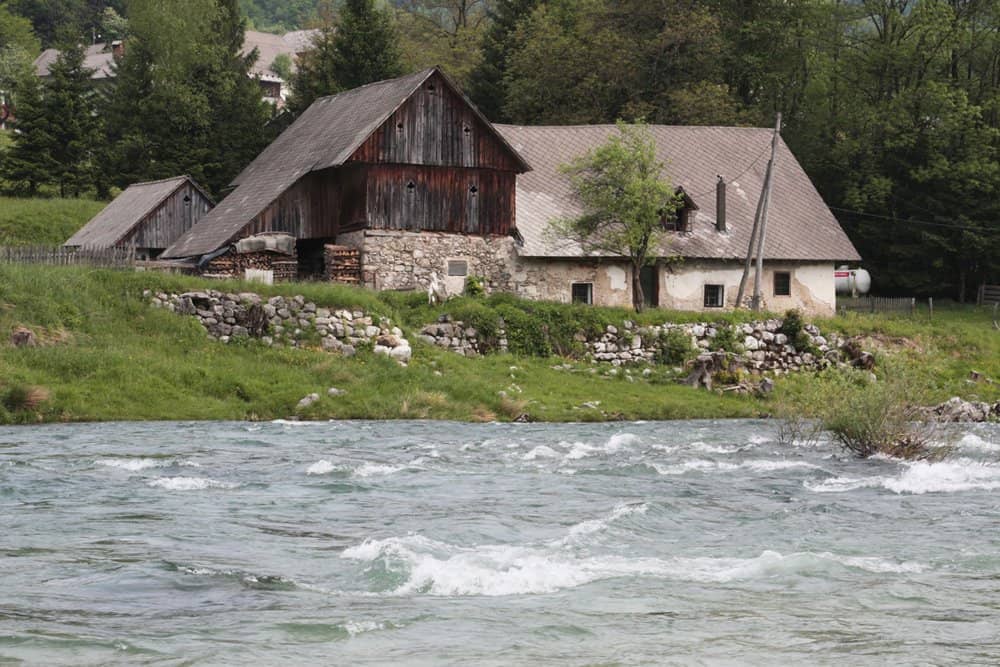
[[892, 106]]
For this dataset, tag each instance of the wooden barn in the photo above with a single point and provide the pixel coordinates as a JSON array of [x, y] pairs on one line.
[[407, 155], [147, 216]]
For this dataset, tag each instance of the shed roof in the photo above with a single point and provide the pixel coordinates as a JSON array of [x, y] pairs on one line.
[[126, 211], [326, 135], [800, 225]]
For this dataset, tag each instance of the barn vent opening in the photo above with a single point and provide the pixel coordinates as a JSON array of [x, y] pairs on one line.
[[399, 126], [411, 186], [473, 189], [467, 129]]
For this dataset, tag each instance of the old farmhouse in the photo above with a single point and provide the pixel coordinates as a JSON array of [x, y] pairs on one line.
[[147, 216], [409, 176]]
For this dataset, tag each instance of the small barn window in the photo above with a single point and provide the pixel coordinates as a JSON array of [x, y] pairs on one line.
[[782, 283], [458, 267], [715, 296], [582, 293]]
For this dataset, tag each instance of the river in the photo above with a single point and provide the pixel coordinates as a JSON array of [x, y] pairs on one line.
[[429, 543]]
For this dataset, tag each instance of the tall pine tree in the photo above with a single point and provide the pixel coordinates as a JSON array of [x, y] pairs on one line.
[[58, 129], [486, 83], [360, 47]]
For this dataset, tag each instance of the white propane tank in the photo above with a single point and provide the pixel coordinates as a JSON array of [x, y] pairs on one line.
[[852, 281]]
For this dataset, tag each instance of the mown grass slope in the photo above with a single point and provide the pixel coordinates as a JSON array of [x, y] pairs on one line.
[[43, 221]]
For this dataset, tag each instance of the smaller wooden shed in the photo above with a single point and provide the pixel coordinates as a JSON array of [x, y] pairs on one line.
[[149, 216]]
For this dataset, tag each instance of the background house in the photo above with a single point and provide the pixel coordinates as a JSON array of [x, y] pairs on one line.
[[100, 58], [804, 239], [148, 216]]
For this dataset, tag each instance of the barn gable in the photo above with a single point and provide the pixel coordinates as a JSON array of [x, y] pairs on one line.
[[331, 169], [149, 216]]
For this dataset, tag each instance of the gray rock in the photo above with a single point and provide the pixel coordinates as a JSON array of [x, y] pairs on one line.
[[307, 401], [333, 392], [348, 351], [751, 343], [401, 353]]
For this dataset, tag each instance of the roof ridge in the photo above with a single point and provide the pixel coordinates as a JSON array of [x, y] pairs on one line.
[[423, 72], [160, 180], [614, 125]]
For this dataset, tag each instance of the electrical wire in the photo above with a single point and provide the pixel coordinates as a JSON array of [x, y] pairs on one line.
[[741, 174], [912, 221]]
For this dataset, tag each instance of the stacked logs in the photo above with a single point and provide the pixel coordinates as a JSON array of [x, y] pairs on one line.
[[234, 265], [343, 264]]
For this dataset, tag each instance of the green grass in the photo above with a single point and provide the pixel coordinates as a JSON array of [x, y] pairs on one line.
[[43, 221], [109, 356]]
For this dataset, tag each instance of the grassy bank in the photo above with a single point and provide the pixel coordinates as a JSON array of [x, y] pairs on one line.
[[43, 221], [106, 355]]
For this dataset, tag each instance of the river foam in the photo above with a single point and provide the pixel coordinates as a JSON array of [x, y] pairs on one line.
[[952, 476], [188, 483]]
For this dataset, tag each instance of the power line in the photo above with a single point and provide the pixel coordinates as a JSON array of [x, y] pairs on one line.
[[741, 175], [913, 221]]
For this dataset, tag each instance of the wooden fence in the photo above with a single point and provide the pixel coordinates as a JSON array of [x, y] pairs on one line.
[[60, 256], [988, 294], [877, 304]]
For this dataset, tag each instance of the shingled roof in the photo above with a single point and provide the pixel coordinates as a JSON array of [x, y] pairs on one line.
[[326, 135], [800, 225], [126, 211]]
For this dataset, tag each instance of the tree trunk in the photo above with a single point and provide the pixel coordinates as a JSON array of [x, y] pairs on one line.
[[638, 297], [961, 285]]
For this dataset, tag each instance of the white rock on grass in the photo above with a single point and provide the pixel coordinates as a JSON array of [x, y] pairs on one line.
[[307, 401]]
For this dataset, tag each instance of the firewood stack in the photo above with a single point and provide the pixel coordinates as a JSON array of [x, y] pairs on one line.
[[343, 264], [233, 265]]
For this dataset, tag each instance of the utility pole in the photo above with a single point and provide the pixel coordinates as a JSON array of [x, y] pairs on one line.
[[759, 232]]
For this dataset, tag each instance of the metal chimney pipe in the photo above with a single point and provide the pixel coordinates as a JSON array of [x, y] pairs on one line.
[[720, 205]]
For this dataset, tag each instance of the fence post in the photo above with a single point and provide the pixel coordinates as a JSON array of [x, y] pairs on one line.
[[930, 304]]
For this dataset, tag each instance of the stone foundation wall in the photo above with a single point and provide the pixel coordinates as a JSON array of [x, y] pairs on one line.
[[397, 260]]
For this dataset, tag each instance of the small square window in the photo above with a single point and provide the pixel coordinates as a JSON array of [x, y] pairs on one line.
[[715, 296], [782, 283], [458, 267], [583, 293]]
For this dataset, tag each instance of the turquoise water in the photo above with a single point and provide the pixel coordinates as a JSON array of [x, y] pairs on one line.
[[426, 543]]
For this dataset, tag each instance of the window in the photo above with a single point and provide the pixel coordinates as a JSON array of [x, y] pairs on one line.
[[715, 296], [458, 267], [680, 221], [583, 293], [782, 283]]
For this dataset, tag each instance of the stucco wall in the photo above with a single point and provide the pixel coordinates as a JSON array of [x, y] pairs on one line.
[[812, 285], [407, 260], [552, 280]]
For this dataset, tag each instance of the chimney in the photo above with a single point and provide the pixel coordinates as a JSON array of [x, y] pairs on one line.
[[720, 205]]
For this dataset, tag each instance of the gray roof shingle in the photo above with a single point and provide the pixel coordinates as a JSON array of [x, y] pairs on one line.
[[127, 210], [325, 135], [800, 225]]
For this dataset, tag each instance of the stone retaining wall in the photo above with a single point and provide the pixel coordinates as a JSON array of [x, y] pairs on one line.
[[286, 321]]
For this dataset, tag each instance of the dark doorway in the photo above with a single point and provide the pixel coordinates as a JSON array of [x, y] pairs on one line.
[[311, 260], [648, 278]]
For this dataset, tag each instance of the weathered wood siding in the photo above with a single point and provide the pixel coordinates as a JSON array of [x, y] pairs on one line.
[[319, 206], [169, 220], [442, 199], [436, 127]]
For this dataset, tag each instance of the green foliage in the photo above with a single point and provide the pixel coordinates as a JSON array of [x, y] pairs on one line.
[[625, 198], [487, 86], [360, 46], [674, 347], [791, 326], [183, 100], [58, 129], [869, 416], [475, 287], [282, 66], [727, 339]]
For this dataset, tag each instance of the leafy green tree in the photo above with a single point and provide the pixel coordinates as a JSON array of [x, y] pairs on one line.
[[58, 129], [18, 47], [625, 197], [183, 100]]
